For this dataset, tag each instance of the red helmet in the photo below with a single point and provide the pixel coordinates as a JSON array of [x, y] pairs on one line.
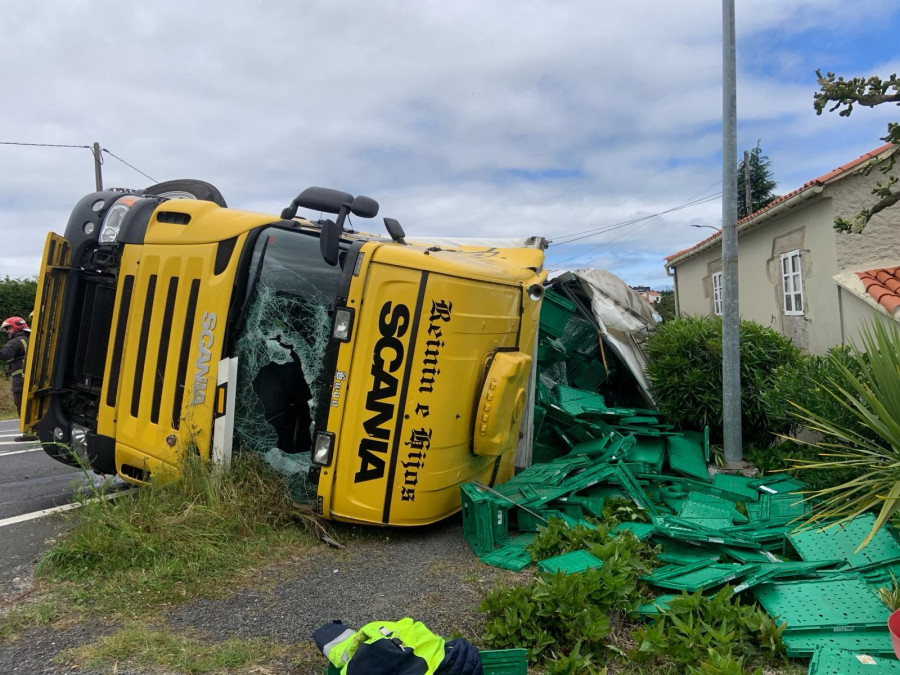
[[14, 324]]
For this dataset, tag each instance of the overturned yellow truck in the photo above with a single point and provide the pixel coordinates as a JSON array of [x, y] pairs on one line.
[[380, 372]]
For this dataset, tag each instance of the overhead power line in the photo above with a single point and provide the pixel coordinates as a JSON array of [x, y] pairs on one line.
[[111, 154], [95, 150], [45, 145], [568, 239], [644, 220]]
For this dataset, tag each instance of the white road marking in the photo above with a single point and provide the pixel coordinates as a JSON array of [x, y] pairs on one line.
[[19, 452], [46, 512]]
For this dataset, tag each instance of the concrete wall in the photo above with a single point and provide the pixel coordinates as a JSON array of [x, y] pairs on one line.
[[856, 314], [879, 243], [829, 317]]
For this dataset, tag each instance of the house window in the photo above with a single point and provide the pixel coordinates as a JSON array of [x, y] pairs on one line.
[[717, 293], [792, 283]]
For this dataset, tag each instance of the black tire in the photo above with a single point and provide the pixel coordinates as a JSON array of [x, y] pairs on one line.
[[198, 189]]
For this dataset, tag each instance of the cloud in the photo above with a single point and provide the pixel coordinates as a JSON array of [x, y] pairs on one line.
[[529, 117]]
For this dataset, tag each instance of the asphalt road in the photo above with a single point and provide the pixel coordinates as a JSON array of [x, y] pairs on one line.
[[30, 483]]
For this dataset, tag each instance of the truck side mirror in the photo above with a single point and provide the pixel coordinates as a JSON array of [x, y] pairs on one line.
[[364, 207], [329, 240], [392, 225]]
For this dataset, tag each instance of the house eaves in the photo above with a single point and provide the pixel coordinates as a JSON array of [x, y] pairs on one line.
[[792, 200]]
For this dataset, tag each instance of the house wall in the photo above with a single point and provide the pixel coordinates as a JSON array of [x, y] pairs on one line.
[[759, 276], [857, 313], [831, 314], [880, 241]]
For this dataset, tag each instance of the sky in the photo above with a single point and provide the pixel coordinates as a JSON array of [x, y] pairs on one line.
[[595, 124]]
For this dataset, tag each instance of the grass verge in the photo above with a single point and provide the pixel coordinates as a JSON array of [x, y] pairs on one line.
[[139, 647], [200, 535], [7, 406]]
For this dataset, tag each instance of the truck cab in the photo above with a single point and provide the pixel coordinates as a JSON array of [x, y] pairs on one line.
[[377, 374]]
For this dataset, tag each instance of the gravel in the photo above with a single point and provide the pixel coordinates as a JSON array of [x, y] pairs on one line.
[[427, 573]]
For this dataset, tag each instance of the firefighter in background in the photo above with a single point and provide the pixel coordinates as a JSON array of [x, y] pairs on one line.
[[14, 352]]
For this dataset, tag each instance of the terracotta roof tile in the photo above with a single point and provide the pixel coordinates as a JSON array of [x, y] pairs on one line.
[[884, 286], [821, 180]]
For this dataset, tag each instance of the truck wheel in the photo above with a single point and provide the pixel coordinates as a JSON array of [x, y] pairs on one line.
[[187, 188]]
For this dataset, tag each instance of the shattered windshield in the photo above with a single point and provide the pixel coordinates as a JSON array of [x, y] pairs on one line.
[[281, 350]]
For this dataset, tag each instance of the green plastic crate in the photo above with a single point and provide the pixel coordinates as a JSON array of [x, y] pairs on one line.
[[556, 311], [575, 562], [831, 661], [585, 373], [485, 521], [504, 661]]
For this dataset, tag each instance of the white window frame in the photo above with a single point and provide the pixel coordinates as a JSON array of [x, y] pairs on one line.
[[717, 292], [792, 283]]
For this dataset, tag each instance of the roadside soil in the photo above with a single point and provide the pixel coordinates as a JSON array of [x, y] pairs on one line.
[[429, 574]]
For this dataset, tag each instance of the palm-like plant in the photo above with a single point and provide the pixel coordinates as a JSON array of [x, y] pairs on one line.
[[872, 396]]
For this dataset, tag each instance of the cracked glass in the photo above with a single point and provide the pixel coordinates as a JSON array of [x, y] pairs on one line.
[[281, 352]]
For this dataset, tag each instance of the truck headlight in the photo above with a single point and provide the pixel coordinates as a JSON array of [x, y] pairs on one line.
[[323, 448], [343, 324], [78, 441], [112, 222]]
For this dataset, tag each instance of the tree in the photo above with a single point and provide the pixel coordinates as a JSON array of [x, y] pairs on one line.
[[16, 299], [666, 305], [761, 183], [868, 92]]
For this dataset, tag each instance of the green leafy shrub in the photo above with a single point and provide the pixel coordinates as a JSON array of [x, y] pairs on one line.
[[685, 371], [871, 393], [556, 611], [694, 626], [574, 663], [784, 456], [557, 538], [806, 384], [721, 664], [564, 620]]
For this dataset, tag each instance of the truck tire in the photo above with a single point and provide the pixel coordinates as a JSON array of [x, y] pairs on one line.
[[187, 188]]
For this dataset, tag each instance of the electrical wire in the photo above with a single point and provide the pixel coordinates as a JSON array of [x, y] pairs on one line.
[[111, 154], [601, 230], [691, 201], [584, 234], [99, 157], [45, 145]]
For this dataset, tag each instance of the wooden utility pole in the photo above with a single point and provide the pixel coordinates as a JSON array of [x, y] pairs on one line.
[[748, 192], [98, 174]]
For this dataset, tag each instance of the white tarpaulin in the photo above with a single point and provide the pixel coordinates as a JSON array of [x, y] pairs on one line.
[[624, 317]]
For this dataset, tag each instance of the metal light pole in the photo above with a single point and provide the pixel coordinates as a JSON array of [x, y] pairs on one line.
[[731, 355]]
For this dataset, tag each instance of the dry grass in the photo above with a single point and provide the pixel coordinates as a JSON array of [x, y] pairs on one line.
[[7, 408]]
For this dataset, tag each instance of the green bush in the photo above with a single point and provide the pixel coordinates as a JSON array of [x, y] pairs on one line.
[[784, 456], [685, 371], [870, 391], [564, 621], [808, 384], [694, 627]]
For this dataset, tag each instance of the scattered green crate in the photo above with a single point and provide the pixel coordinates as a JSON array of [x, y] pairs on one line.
[[510, 557], [840, 541], [814, 604], [485, 520], [556, 310], [831, 661], [504, 661], [574, 562], [686, 457], [697, 577], [804, 644]]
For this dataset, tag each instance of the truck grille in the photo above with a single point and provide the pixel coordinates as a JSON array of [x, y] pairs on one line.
[[160, 314]]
